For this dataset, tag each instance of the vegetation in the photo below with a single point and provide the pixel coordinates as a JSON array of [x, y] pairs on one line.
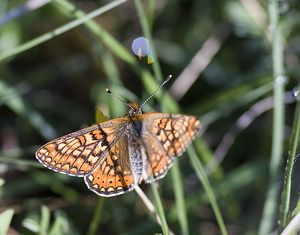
[[234, 65]]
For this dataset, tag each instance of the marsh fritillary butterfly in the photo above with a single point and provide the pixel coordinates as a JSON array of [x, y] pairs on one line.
[[115, 155]]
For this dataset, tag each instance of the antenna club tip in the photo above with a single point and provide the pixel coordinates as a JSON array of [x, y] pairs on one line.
[[108, 91], [169, 77]]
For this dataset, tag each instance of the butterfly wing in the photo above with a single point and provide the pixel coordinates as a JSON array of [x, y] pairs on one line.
[[166, 136], [113, 175], [78, 153]]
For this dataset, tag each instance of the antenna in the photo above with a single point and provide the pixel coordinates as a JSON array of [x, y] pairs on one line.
[[129, 105], [118, 98], [157, 90]]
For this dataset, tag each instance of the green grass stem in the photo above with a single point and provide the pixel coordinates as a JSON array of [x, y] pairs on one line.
[[106, 38], [146, 31], [45, 220], [207, 187], [20, 162], [180, 199], [292, 153], [96, 217], [5, 220], [58, 31], [160, 209], [232, 99], [270, 206]]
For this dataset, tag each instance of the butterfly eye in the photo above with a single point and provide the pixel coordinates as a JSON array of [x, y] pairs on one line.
[[134, 111]]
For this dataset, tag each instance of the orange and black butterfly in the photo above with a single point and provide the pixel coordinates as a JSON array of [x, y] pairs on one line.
[[115, 155]]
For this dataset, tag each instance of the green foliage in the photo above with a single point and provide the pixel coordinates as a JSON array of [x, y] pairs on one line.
[[41, 223], [56, 62], [5, 219]]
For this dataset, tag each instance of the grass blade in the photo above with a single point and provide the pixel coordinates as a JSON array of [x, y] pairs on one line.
[[267, 221], [58, 31], [293, 227], [96, 217], [180, 200], [45, 220], [208, 189], [107, 39], [147, 33], [5, 219], [286, 193], [160, 209]]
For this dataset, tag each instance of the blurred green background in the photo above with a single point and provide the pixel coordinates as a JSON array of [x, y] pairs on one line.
[[220, 56]]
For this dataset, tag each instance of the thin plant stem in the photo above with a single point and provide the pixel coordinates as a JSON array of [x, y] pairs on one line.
[[208, 189], [58, 31], [96, 217], [147, 202], [6, 217], [150, 12], [107, 39], [149, 205], [147, 33], [45, 220], [20, 162], [160, 209], [286, 192], [180, 200], [293, 227], [241, 124], [268, 216], [168, 104]]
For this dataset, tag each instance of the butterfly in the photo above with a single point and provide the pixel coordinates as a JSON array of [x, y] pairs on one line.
[[116, 155]]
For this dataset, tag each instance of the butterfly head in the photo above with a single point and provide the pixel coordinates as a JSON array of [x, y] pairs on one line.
[[134, 109]]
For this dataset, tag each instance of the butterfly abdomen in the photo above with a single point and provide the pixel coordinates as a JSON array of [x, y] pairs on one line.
[[137, 158]]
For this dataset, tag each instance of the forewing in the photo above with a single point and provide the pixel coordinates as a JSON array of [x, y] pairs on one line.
[[165, 137], [113, 175], [78, 153]]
